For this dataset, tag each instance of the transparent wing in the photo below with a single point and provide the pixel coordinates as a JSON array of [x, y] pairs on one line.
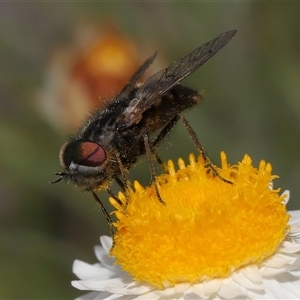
[[130, 85], [163, 81]]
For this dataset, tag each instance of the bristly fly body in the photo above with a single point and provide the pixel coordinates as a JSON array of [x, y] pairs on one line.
[[113, 138]]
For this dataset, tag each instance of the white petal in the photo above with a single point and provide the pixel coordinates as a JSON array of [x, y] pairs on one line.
[[295, 265], [288, 247], [279, 260], [167, 292], [151, 295], [295, 214], [198, 290], [86, 271], [294, 233], [171, 292], [272, 266], [101, 285], [94, 296], [77, 284], [109, 296], [119, 297], [269, 272], [106, 242], [230, 289], [212, 286], [283, 286], [99, 296], [287, 196], [295, 228], [279, 263], [131, 288], [243, 281], [106, 260], [180, 288], [252, 273]]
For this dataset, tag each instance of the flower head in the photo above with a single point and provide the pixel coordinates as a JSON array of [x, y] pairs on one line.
[[83, 75], [211, 240]]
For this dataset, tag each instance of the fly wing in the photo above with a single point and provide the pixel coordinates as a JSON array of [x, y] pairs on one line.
[[161, 82], [131, 84]]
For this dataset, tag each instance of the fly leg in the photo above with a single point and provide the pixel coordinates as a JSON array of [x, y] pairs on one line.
[[125, 184], [109, 220], [201, 149], [160, 137], [149, 152]]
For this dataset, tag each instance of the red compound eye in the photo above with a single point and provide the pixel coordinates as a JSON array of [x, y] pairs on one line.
[[90, 154], [84, 153]]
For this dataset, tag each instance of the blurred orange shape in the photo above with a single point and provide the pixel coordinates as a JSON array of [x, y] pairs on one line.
[[86, 75]]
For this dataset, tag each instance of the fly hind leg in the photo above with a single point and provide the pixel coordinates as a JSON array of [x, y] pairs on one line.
[[160, 137], [201, 149]]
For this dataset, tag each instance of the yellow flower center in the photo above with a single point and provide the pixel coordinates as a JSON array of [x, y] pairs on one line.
[[207, 229]]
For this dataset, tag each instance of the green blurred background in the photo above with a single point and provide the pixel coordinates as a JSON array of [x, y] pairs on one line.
[[252, 105]]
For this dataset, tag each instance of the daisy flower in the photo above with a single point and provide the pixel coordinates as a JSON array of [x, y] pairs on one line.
[[212, 239]]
